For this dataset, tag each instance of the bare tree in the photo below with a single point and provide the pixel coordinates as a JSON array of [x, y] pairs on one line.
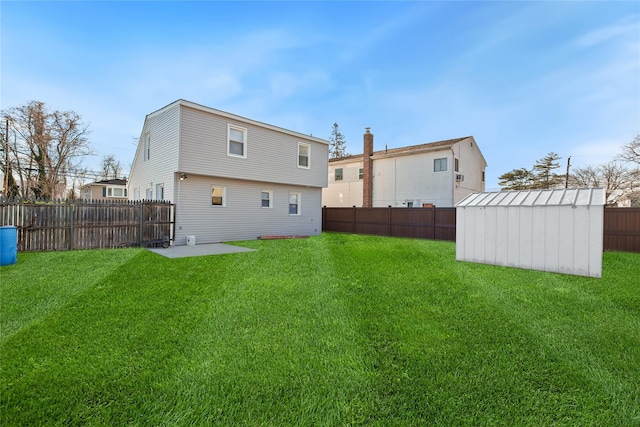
[[110, 168], [617, 180], [631, 151], [46, 148]]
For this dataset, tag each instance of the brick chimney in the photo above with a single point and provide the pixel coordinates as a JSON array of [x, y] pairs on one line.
[[367, 184]]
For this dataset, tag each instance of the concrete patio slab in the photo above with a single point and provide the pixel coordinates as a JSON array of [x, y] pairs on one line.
[[185, 251]]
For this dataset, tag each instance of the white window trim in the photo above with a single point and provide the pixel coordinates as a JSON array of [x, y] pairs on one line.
[[111, 190], [291, 193], [308, 155], [440, 171], [270, 199], [456, 164], [224, 196], [244, 141]]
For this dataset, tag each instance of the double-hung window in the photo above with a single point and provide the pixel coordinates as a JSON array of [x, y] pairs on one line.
[[218, 196], [266, 199], [440, 165], [361, 173], [304, 155], [456, 164], [294, 203], [236, 141], [338, 174]]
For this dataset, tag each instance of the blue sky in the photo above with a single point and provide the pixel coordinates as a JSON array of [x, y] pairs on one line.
[[524, 78]]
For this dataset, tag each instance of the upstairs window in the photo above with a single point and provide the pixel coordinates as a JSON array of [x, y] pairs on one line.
[[146, 142], [304, 151], [236, 141], [456, 164], [338, 174], [482, 176], [361, 173], [218, 196], [440, 165]]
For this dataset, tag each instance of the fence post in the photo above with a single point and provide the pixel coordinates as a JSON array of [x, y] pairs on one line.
[[141, 223], [70, 227], [324, 217], [353, 220], [433, 228]]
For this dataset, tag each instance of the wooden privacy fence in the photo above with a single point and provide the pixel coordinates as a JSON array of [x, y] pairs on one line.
[[423, 223], [621, 225], [83, 224], [622, 229]]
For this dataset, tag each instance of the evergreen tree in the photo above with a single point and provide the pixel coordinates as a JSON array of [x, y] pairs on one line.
[[338, 146], [517, 179], [544, 176]]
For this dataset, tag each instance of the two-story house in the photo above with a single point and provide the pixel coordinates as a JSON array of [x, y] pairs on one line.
[[230, 177], [438, 173], [106, 189]]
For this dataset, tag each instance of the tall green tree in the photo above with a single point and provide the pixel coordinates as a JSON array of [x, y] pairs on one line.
[[543, 169], [338, 144], [517, 179]]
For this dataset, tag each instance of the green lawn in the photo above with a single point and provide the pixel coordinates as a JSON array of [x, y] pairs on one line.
[[330, 330]]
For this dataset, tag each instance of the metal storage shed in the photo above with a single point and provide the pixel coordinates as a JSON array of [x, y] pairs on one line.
[[548, 230]]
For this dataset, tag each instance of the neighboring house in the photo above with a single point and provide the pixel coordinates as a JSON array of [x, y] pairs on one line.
[[439, 173], [231, 178], [108, 189]]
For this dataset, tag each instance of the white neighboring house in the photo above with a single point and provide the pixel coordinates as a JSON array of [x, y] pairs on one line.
[[438, 173], [231, 178]]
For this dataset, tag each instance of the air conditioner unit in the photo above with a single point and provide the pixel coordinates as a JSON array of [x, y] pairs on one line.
[[459, 177]]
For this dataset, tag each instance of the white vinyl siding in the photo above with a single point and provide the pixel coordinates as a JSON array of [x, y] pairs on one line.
[[163, 128], [272, 158], [236, 141], [243, 218]]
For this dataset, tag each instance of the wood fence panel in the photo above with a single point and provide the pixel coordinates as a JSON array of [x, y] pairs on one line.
[[423, 223], [621, 225], [79, 224], [622, 229]]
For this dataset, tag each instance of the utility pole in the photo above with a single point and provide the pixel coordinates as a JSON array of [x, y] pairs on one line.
[[6, 157], [566, 177]]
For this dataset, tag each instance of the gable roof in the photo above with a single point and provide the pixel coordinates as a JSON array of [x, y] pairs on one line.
[[115, 181], [185, 103], [411, 149]]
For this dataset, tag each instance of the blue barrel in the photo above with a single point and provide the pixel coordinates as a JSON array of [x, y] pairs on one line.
[[8, 245]]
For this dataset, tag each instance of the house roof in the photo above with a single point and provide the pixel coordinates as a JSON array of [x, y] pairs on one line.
[[411, 149], [558, 197], [235, 117], [115, 181]]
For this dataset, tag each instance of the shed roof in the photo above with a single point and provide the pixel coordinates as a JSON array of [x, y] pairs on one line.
[[558, 197]]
